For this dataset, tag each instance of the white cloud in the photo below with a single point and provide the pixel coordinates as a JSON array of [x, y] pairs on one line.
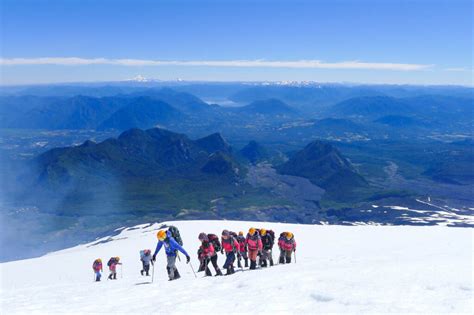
[[302, 64], [457, 69]]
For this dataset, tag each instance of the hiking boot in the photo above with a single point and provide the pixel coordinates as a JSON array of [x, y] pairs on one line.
[[232, 269], [246, 262], [208, 273], [115, 276], [147, 274], [218, 272], [239, 264], [110, 276], [282, 260], [141, 272], [253, 265], [288, 259], [176, 274], [271, 262]]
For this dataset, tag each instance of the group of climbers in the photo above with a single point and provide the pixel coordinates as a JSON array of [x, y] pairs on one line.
[[112, 264], [257, 244]]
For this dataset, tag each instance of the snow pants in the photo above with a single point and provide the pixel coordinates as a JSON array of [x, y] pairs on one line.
[[97, 275], [266, 255], [253, 254], [244, 256], [213, 260], [229, 261], [285, 256], [146, 267], [171, 267]]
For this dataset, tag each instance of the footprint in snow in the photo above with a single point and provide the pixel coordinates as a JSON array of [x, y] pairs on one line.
[[320, 298]]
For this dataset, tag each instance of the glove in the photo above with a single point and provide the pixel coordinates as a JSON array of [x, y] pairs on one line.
[[188, 259], [153, 258]]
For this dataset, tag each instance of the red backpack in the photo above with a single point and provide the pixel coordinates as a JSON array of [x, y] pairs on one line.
[[214, 240]]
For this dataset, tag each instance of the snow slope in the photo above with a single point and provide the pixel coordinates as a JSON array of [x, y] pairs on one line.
[[339, 269]]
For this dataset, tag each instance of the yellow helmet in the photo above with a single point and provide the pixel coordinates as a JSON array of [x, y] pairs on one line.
[[252, 231], [263, 232], [117, 258], [241, 233], [161, 235], [289, 235]]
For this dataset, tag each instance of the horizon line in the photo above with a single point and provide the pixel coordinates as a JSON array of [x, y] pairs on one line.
[[256, 63]]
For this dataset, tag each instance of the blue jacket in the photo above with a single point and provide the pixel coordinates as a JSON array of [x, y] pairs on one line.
[[171, 246]]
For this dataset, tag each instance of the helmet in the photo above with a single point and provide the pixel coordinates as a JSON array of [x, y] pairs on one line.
[[252, 231], [289, 235], [263, 232], [98, 260], [202, 237], [161, 235], [117, 258], [225, 233], [241, 233]]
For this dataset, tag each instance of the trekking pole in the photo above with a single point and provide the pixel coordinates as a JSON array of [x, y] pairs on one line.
[[121, 270], [153, 273], [191, 265], [294, 252]]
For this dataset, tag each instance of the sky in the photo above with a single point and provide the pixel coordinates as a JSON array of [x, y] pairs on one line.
[[383, 41]]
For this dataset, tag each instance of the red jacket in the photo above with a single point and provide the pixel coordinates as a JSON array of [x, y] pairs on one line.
[[253, 242], [242, 244], [230, 244], [286, 244], [97, 266], [207, 250]]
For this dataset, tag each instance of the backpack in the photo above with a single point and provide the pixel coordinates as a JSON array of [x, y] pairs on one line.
[[215, 242], [96, 264], [175, 234], [233, 234], [272, 235], [111, 261]]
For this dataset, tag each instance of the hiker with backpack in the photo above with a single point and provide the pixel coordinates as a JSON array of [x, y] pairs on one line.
[[287, 245], [254, 247], [172, 246], [267, 244], [207, 253], [112, 263], [230, 246], [97, 267], [242, 253], [145, 258]]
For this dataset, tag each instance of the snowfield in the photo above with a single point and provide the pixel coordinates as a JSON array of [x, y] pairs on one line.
[[339, 269]]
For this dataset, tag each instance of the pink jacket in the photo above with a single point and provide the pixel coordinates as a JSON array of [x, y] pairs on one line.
[[253, 242], [229, 244], [207, 251], [97, 266], [285, 244]]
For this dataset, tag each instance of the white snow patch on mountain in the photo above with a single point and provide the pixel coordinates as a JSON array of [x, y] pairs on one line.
[[356, 269]]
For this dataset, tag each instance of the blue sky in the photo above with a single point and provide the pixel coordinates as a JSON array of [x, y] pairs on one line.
[[384, 41]]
